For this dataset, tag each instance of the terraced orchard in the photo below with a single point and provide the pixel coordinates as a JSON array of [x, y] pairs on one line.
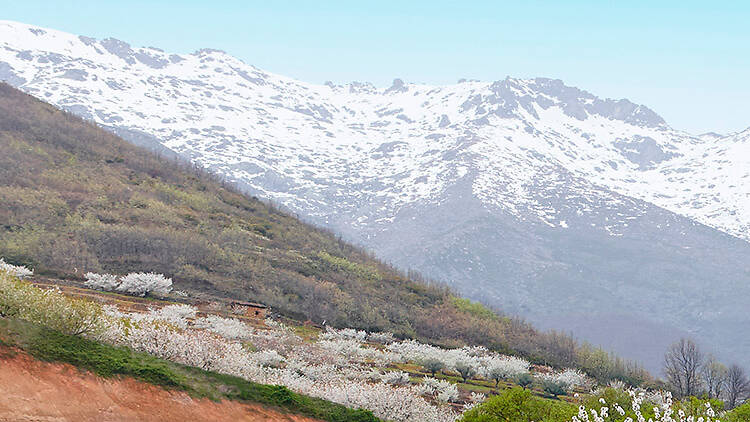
[[398, 380], [332, 374]]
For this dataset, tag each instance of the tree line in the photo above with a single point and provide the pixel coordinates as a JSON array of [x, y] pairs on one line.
[[691, 372]]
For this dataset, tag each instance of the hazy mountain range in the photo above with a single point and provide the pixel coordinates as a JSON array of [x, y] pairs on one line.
[[583, 214]]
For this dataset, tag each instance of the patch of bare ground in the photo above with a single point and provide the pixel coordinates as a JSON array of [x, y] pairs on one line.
[[32, 390]]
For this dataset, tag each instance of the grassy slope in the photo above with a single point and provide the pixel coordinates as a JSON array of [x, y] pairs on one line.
[[107, 361], [77, 197]]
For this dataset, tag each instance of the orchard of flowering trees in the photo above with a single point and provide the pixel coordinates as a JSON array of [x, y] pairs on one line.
[[350, 367], [344, 366], [333, 368]]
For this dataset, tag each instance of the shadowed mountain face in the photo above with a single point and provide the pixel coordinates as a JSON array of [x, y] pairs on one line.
[[580, 213]]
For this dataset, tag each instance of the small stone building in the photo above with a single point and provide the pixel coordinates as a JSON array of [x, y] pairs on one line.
[[249, 309]]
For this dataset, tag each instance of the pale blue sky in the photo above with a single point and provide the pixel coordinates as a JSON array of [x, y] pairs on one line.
[[687, 60]]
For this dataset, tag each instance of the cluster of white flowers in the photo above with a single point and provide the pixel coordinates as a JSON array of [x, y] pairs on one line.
[[487, 364], [15, 270], [663, 410], [503, 367], [106, 282], [267, 358], [175, 314], [441, 390], [357, 335], [381, 337], [353, 351], [414, 351], [343, 334], [138, 284], [567, 377], [396, 378], [229, 328], [474, 399]]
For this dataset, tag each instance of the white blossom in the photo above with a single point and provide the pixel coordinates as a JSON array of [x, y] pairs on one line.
[[18, 271], [229, 328], [141, 284], [107, 282]]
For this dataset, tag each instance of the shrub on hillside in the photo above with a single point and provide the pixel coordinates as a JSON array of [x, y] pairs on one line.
[[466, 370], [50, 308], [519, 405], [553, 387], [524, 380], [433, 365], [473, 308], [739, 414]]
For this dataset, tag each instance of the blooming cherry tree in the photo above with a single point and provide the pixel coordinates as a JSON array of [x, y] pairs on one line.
[[141, 284], [107, 282]]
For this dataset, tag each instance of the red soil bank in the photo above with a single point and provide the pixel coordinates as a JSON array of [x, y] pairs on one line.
[[31, 390]]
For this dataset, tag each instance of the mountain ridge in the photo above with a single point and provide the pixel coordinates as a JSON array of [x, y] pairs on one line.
[[548, 181]]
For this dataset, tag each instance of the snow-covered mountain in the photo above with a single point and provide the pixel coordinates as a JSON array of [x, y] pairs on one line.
[[529, 194]]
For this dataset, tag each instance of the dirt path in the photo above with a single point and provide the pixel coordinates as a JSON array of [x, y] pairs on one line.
[[31, 390]]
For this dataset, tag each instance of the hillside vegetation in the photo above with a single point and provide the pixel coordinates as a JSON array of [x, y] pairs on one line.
[[76, 198]]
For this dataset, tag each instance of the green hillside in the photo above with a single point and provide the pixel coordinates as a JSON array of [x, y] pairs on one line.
[[76, 198]]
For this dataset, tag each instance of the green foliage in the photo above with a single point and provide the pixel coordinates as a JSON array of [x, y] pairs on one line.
[[474, 308], [50, 308], [738, 414], [696, 407], [465, 370], [524, 380], [519, 405], [342, 264], [614, 397], [604, 366], [433, 365], [692, 406], [104, 360], [555, 388]]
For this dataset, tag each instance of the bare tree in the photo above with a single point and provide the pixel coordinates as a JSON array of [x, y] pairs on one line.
[[715, 377], [682, 365], [738, 386]]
